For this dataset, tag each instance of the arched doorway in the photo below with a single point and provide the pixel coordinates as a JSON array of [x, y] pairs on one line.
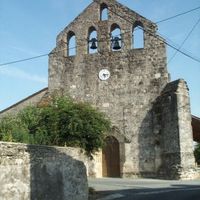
[[111, 158]]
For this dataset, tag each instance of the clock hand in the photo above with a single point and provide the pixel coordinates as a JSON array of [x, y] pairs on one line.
[[105, 75]]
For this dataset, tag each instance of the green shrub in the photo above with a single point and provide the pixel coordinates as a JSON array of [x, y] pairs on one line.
[[197, 154], [61, 122]]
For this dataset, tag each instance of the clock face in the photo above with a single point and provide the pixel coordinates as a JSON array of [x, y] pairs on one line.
[[104, 74]]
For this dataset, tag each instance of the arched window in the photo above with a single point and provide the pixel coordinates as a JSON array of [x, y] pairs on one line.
[[116, 39], [103, 12], [71, 44], [138, 36], [92, 38]]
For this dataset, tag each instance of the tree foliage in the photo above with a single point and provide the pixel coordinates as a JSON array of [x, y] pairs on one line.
[[62, 122], [197, 154]]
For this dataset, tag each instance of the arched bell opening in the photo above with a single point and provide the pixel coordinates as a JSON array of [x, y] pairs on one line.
[[92, 40], [71, 44], [116, 39], [103, 12], [111, 158], [138, 36]]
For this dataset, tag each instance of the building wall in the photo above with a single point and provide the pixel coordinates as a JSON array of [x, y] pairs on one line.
[[41, 172], [196, 128], [151, 117], [173, 133], [31, 100], [137, 78]]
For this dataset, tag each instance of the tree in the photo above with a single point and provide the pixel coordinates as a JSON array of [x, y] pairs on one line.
[[61, 122], [197, 153]]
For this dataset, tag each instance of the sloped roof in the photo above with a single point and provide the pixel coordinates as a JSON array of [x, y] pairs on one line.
[[23, 100]]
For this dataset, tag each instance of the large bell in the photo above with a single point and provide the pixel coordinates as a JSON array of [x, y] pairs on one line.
[[93, 43], [116, 45]]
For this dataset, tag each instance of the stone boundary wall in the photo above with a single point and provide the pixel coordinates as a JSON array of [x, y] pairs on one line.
[[31, 172]]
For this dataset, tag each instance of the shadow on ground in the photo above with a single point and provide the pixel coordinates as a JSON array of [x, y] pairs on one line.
[[174, 192]]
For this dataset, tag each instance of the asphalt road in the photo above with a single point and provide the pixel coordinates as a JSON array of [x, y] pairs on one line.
[[144, 189]]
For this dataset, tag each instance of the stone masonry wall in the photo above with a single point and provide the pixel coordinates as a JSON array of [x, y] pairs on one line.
[[31, 172], [173, 133], [151, 117], [137, 78]]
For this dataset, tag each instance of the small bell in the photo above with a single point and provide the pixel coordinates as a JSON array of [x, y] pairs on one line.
[[116, 45], [93, 45]]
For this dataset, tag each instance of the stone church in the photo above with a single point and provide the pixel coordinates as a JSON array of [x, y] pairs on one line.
[[151, 120]]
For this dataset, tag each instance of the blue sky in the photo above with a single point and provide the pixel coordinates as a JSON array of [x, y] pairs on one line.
[[29, 28]]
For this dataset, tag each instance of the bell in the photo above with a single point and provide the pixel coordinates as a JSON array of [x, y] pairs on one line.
[[116, 45], [93, 45]]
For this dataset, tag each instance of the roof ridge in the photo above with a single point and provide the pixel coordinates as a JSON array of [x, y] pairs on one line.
[[19, 102]]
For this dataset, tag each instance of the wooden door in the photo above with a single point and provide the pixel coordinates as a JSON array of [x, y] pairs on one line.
[[111, 158]]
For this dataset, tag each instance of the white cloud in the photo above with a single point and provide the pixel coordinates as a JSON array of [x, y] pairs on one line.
[[18, 73]]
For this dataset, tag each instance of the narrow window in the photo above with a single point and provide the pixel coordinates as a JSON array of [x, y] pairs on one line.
[[92, 40], [103, 12], [71, 44], [138, 36], [116, 40]]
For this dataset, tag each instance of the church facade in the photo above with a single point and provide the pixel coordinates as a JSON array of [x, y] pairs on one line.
[[151, 120]]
